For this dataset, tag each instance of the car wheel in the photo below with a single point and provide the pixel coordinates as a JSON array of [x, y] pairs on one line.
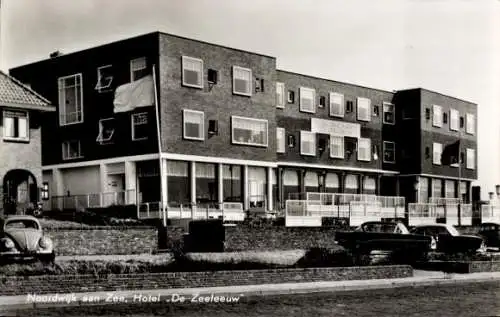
[[48, 259]]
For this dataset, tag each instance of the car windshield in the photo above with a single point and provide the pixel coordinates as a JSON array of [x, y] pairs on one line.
[[21, 224]]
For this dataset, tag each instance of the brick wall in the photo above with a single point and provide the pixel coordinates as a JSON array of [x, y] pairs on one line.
[[91, 241], [90, 283]]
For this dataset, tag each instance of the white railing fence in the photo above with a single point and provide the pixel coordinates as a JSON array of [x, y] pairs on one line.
[[228, 211], [94, 200]]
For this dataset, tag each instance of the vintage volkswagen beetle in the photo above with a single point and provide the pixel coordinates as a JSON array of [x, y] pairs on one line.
[[22, 237]]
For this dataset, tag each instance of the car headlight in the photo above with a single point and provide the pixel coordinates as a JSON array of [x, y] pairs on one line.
[[8, 243], [45, 243]]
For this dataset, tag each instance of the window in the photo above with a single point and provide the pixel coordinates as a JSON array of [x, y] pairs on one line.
[[445, 118], [376, 111], [212, 76], [280, 140], [454, 119], [193, 123], [336, 104], [336, 146], [427, 114], [192, 72], [71, 150], [471, 123], [437, 187], [437, 149], [389, 113], [462, 123], [322, 101], [350, 145], [364, 147], [106, 131], [427, 152], [280, 95], [364, 107], [437, 119], [471, 159], [138, 68], [291, 140], [45, 191], [291, 96], [70, 99], [104, 78], [307, 143], [259, 84], [16, 126], [249, 131], [389, 152], [349, 106], [242, 81], [307, 96], [140, 126]]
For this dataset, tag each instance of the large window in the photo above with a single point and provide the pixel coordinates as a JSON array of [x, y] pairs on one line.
[[389, 152], [193, 125], [178, 187], [140, 127], [70, 99], [471, 159], [364, 109], [249, 131], [470, 124], [437, 116], [307, 143], [389, 113], [104, 78], [449, 188], [106, 131], [242, 81], [16, 126], [280, 140], [336, 105], [71, 150], [454, 119], [437, 187], [307, 96], [280, 95], [192, 72], [138, 68], [364, 147], [336, 146], [437, 149], [231, 175], [206, 184]]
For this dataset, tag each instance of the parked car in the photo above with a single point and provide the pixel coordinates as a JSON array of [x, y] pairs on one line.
[[22, 237], [449, 240], [385, 236], [490, 232]]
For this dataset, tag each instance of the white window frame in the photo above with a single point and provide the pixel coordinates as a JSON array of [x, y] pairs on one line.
[[471, 159], [470, 123], [99, 86], [340, 140], [250, 80], [437, 116], [65, 146], [62, 104], [334, 97], [437, 152], [133, 124], [5, 114], [280, 90], [186, 59], [134, 69], [454, 120], [233, 118], [384, 148], [388, 104], [303, 136], [201, 128], [100, 138], [303, 90], [280, 140], [367, 104], [367, 145]]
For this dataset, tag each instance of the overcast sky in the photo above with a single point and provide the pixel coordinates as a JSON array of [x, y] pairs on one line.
[[452, 47]]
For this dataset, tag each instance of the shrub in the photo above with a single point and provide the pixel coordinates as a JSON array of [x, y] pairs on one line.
[[323, 257]]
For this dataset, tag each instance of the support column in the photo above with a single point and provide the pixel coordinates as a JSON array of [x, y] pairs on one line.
[[246, 202], [103, 176], [130, 183], [341, 177], [279, 182], [164, 180], [360, 183], [302, 182], [220, 184], [397, 186], [57, 182], [379, 177], [192, 181], [270, 189]]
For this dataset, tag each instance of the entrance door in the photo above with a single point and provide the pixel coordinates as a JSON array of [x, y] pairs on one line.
[[20, 191], [115, 195]]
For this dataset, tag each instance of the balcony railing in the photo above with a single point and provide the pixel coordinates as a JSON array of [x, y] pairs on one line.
[[229, 211]]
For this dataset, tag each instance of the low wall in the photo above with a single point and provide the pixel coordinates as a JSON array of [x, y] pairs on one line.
[[462, 267], [89, 283], [103, 240]]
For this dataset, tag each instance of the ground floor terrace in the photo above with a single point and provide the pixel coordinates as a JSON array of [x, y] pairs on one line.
[[202, 186]]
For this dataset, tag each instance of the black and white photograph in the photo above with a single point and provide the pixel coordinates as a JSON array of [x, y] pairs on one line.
[[250, 158]]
